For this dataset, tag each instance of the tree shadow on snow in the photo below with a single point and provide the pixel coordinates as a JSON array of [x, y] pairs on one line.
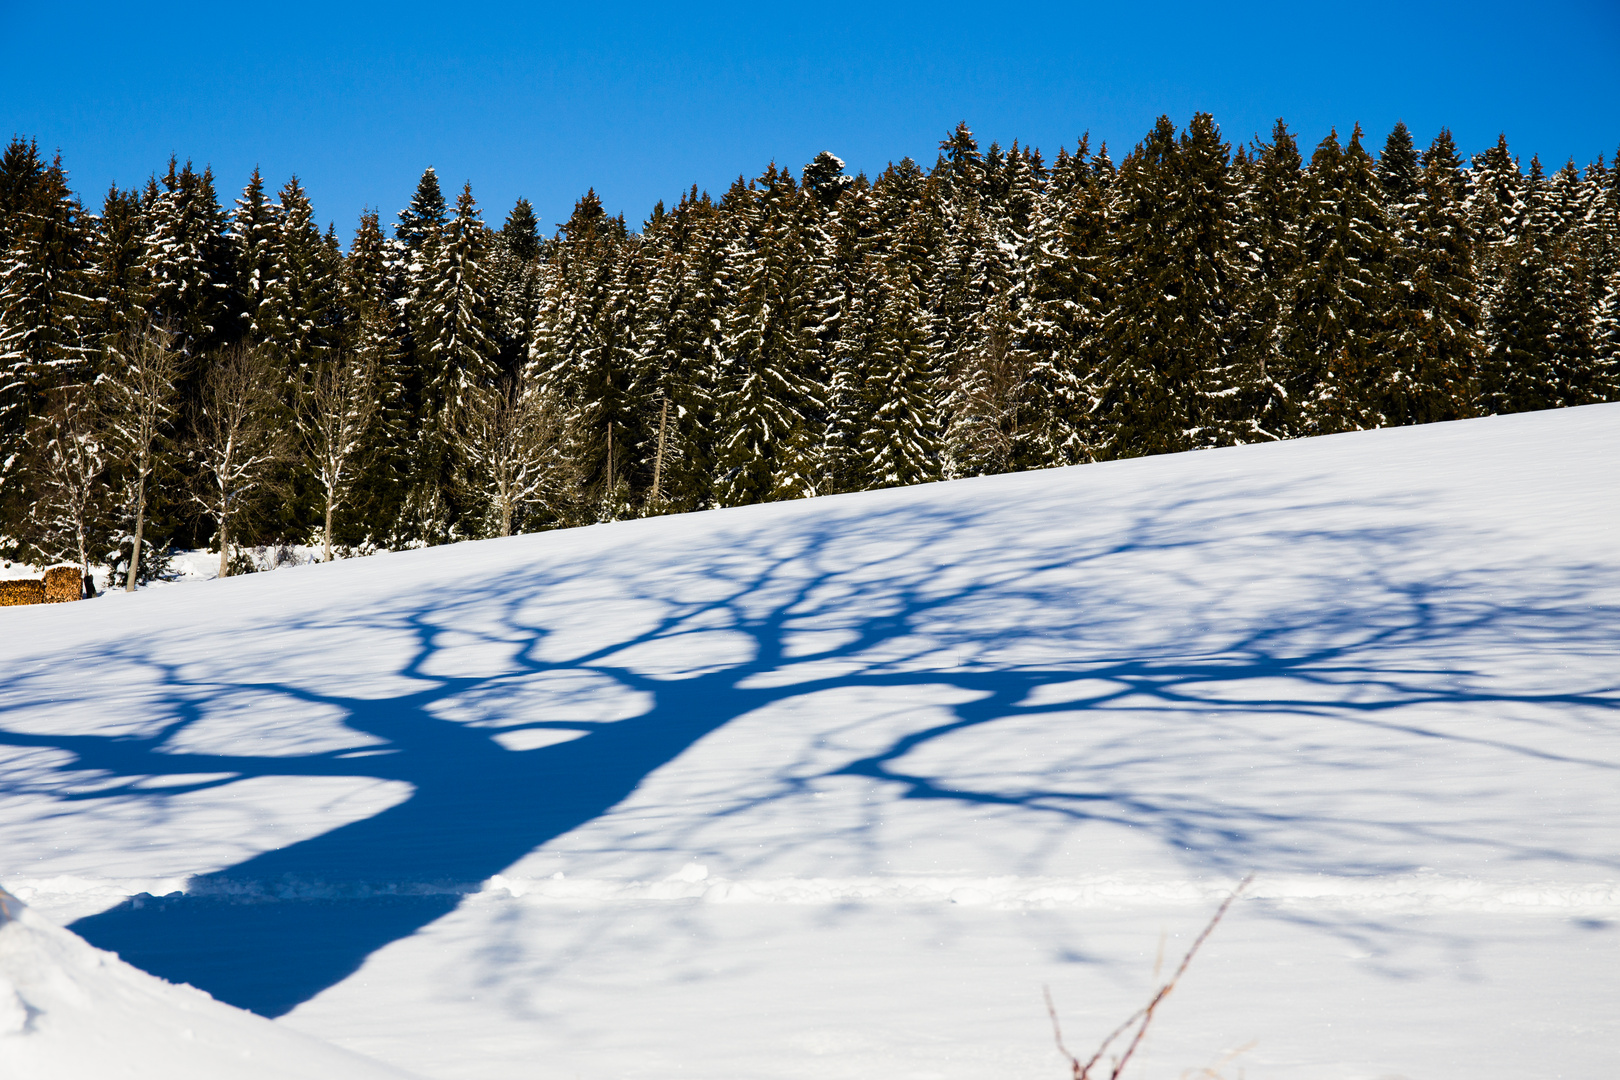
[[911, 610]]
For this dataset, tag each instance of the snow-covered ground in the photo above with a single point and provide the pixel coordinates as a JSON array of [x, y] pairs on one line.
[[68, 1011], [833, 788], [186, 567]]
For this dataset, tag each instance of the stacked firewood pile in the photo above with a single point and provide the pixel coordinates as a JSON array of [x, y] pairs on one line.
[[60, 584]]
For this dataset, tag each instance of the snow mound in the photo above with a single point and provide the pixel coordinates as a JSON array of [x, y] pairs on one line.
[[72, 1012]]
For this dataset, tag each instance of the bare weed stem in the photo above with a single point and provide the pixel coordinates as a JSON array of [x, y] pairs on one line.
[[1142, 1017]]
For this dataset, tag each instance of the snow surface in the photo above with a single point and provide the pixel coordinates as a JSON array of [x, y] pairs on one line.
[[186, 567], [69, 1011], [833, 788]]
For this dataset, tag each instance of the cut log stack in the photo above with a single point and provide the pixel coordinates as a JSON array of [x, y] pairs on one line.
[[59, 585]]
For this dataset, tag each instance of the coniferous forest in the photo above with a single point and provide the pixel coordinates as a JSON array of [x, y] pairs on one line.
[[179, 372]]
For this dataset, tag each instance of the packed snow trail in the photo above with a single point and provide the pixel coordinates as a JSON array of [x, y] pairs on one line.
[[831, 788]]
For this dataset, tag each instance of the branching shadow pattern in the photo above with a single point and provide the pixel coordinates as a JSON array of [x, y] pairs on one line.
[[1144, 621]]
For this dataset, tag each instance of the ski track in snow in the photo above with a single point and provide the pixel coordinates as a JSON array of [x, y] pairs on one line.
[[831, 788], [1406, 894]]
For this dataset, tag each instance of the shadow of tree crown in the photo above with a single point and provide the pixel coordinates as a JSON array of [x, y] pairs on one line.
[[904, 600]]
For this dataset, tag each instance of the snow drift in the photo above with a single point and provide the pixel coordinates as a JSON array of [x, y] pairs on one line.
[[71, 1012], [831, 788]]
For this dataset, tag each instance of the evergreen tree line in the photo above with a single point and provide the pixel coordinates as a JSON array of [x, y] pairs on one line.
[[171, 369]]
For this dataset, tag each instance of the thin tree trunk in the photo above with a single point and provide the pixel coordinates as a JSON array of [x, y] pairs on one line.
[[140, 524], [84, 567], [610, 460], [329, 508], [224, 545], [658, 459]]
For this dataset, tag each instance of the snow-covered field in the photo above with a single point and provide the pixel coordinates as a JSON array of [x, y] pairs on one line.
[[187, 567], [833, 788]]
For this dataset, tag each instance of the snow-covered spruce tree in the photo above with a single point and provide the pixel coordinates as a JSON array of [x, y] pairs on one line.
[[69, 465], [1432, 372], [953, 231], [513, 281], [1606, 340], [452, 310], [418, 226], [982, 394], [583, 353], [650, 270], [980, 286], [901, 442], [255, 235], [422, 513], [336, 406], [899, 200], [627, 446], [425, 215], [1560, 212], [856, 296], [521, 232], [21, 169], [44, 310], [1337, 332], [1604, 238], [238, 440], [185, 263], [1542, 353], [1563, 206], [45, 315], [298, 316], [771, 395], [1041, 405], [1271, 220], [1601, 197], [821, 234], [449, 312], [677, 366], [1399, 173], [371, 296], [1175, 274], [138, 393], [824, 179], [1496, 211], [1595, 201], [113, 278]]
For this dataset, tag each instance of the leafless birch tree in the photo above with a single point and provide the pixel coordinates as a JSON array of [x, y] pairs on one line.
[[70, 465], [138, 402], [512, 436], [239, 441], [336, 409]]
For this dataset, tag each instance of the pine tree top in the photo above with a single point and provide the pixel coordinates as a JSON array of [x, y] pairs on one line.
[[522, 231], [1398, 166], [425, 213]]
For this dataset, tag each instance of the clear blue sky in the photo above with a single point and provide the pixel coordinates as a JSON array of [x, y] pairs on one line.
[[642, 101]]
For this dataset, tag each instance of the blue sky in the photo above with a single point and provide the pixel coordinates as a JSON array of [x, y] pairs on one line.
[[642, 101]]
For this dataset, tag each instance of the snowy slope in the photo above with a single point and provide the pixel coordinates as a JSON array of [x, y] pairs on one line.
[[832, 788], [71, 1012]]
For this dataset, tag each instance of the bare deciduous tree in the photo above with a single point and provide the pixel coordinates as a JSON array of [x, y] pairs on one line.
[[239, 440], [138, 401], [512, 436], [336, 409], [70, 462]]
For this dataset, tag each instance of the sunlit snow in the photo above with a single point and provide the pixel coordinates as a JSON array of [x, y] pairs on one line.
[[832, 788]]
